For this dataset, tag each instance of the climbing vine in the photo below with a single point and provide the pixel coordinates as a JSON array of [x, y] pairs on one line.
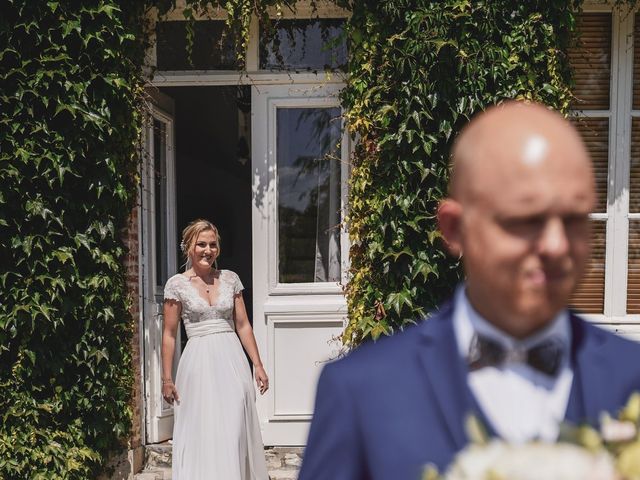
[[71, 90], [69, 126], [418, 71]]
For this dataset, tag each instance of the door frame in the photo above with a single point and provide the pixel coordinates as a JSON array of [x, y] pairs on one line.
[[285, 96], [314, 312], [327, 309], [158, 414]]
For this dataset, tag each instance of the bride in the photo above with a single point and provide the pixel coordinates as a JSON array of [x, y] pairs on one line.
[[216, 434]]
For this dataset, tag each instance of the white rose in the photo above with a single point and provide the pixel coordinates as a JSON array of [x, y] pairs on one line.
[[616, 431], [533, 461]]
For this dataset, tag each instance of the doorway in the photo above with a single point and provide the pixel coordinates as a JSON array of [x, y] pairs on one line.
[[208, 176], [213, 168], [268, 164]]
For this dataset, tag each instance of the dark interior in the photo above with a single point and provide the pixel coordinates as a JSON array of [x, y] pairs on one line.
[[213, 169]]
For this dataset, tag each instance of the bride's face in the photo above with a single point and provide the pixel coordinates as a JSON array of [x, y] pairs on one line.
[[205, 251]]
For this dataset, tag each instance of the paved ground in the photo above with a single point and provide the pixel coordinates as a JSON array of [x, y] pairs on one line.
[[283, 463]]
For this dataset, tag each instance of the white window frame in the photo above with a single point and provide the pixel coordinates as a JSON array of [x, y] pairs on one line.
[[275, 286], [252, 75], [617, 215]]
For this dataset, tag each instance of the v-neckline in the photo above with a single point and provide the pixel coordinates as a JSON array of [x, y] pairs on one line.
[[205, 300]]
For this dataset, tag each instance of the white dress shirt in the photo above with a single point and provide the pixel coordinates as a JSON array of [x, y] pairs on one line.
[[520, 402]]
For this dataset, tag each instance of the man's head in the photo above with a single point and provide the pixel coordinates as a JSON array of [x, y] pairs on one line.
[[520, 194]]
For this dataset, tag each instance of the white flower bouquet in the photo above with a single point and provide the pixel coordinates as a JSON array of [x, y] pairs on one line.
[[581, 453]]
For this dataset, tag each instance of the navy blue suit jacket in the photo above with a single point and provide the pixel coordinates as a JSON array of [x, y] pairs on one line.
[[390, 408]]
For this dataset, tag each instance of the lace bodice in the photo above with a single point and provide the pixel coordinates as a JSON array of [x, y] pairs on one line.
[[194, 307]]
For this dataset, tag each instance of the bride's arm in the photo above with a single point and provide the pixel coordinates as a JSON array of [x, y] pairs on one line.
[[171, 317], [248, 340]]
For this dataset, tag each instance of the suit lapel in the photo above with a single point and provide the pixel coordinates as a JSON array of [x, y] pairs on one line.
[[589, 374], [446, 373]]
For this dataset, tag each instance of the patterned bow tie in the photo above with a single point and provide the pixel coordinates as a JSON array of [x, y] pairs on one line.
[[545, 357]]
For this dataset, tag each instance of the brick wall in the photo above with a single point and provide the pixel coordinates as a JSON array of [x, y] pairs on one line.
[[132, 261], [125, 464]]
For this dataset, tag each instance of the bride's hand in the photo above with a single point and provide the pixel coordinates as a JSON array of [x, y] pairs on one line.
[[262, 380], [169, 393]]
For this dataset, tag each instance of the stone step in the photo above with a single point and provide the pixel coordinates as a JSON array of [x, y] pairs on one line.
[[157, 462], [154, 474], [283, 463], [158, 455]]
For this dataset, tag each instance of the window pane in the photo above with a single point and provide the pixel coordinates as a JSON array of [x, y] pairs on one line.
[[634, 185], [595, 133], [633, 276], [590, 60], [308, 173], [636, 63], [589, 296], [160, 199], [211, 51], [304, 45]]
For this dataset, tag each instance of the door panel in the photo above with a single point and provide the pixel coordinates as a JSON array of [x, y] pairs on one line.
[[158, 257], [300, 157]]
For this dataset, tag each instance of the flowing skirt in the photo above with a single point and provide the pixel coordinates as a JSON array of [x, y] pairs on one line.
[[216, 433]]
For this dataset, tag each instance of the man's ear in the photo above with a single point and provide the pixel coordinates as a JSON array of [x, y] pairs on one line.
[[450, 223]]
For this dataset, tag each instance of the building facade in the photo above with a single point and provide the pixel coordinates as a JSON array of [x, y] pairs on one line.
[[263, 154]]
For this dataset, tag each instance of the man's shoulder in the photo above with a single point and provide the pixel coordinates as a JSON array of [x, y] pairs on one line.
[[608, 360], [607, 342]]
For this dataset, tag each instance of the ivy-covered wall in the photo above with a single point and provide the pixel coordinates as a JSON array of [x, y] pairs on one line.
[[418, 70], [70, 86], [69, 124]]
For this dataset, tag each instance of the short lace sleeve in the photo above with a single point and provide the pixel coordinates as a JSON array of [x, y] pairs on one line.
[[171, 289], [237, 284]]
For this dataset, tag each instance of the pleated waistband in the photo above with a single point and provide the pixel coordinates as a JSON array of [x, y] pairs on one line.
[[207, 327]]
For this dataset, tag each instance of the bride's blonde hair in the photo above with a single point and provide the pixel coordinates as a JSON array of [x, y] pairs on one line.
[[190, 235]]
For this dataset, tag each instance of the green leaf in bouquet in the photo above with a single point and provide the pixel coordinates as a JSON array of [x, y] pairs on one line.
[[430, 473], [493, 475], [583, 435], [568, 433], [631, 411], [476, 431], [628, 463], [589, 438]]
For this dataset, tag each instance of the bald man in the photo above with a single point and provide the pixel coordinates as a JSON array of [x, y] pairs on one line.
[[506, 348]]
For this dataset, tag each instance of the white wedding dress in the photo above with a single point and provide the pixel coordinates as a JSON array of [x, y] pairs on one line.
[[216, 434]]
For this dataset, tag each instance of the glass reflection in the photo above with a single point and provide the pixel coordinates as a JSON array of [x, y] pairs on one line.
[[304, 45], [160, 200], [308, 181], [211, 49]]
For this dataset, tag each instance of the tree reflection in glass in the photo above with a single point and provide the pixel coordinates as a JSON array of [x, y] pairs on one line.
[[308, 182]]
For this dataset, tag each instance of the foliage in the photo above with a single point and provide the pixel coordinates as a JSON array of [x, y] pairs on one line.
[[70, 87], [69, 124], [418, 70]]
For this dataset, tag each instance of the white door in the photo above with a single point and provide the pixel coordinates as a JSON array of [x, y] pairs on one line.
[[159, 262], [300, 158]]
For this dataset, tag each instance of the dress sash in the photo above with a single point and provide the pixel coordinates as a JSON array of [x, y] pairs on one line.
[[207, 327]]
